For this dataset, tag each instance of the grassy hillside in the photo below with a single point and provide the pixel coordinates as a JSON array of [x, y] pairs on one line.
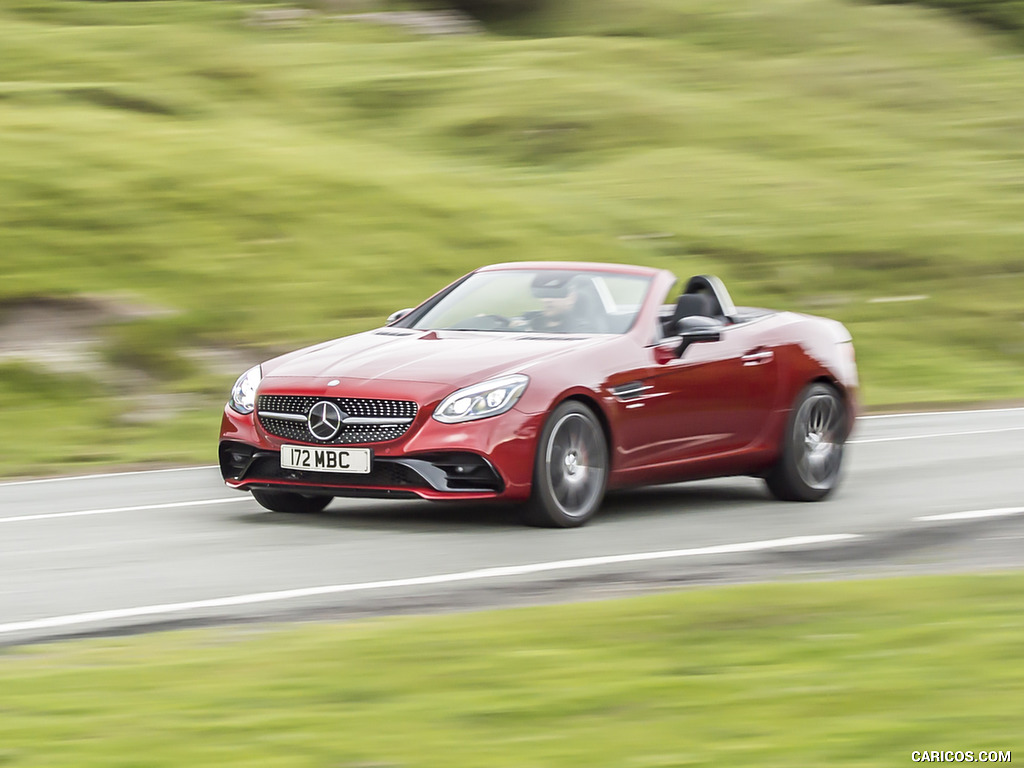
[[257, 187]]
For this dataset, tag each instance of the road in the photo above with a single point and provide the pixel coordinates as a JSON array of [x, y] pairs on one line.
[[147, 550]]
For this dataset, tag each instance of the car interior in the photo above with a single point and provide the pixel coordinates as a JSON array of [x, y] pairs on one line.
[[705, 296]]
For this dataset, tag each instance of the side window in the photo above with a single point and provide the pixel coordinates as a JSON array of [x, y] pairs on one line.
[[619, 298]]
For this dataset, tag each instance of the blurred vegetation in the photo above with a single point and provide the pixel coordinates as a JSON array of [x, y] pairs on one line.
[[276, 185], [832, 674], [66, 423], [1005, 15], [489, 10]]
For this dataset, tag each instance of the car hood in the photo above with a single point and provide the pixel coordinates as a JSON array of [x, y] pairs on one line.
[[455, 358]]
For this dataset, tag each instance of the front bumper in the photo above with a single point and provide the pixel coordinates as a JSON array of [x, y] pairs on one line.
[[487, 459]]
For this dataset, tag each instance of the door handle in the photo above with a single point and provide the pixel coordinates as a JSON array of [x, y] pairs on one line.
[[758, 357]]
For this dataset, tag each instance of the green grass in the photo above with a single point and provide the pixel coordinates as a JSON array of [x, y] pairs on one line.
[[282, 186], [68, 424], [1004, 15], [847, 674]]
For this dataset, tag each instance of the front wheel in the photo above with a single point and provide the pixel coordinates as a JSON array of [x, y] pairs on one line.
[[292, 503], [570, 470], [812, 447]]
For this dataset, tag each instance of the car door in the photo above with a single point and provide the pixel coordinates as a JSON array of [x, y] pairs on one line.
[[713, 399]]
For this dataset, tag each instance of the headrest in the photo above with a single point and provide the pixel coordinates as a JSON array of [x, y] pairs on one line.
[[689, 304]]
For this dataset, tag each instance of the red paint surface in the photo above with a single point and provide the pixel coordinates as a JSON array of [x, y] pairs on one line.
[[702, 415]]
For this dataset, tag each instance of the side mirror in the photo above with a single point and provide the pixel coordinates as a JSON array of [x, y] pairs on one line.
[[394, 317], [697, 329]]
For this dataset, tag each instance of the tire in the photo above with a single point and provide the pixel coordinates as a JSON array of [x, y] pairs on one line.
[[811, 458], [570, 471], [292, 503]]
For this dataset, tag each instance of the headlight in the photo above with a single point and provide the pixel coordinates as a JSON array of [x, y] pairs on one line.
[[243, 394], [488, 398]]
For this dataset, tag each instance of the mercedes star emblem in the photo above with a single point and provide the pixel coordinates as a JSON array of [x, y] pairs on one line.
[[324, 420]]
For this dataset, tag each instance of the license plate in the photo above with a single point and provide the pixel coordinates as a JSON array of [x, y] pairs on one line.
[[347, 460]]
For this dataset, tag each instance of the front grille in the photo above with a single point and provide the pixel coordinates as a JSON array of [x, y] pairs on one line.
[[354, 407]]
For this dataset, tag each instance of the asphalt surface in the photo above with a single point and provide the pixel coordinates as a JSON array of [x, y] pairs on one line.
[[142, 551]]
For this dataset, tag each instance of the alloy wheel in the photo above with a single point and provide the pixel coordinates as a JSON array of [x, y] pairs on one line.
[[576, 462], [819, 423]]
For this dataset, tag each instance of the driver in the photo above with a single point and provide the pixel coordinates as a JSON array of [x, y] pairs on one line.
[[558, 314], [565, 308]]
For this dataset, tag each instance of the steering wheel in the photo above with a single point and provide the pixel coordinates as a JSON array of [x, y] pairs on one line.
[[499, 321]]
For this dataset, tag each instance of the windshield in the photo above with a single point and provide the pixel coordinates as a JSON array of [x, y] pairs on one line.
[[543, 301]]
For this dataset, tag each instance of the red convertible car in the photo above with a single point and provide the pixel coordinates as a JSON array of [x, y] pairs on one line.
[[548, 384]]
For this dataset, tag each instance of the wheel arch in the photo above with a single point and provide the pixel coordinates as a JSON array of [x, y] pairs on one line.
[[830, 381]]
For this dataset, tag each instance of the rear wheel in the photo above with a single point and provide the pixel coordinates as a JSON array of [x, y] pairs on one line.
[[292, 503], [570, 470], [812, 446]]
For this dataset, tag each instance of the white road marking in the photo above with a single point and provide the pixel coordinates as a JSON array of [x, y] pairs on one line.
[[112, 510], [938, 413], [1001, 538], [445, 578], [974, 514], [934, 435], [106, 474]]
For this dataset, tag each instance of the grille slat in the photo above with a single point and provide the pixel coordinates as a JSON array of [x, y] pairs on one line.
[[269, 406]]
